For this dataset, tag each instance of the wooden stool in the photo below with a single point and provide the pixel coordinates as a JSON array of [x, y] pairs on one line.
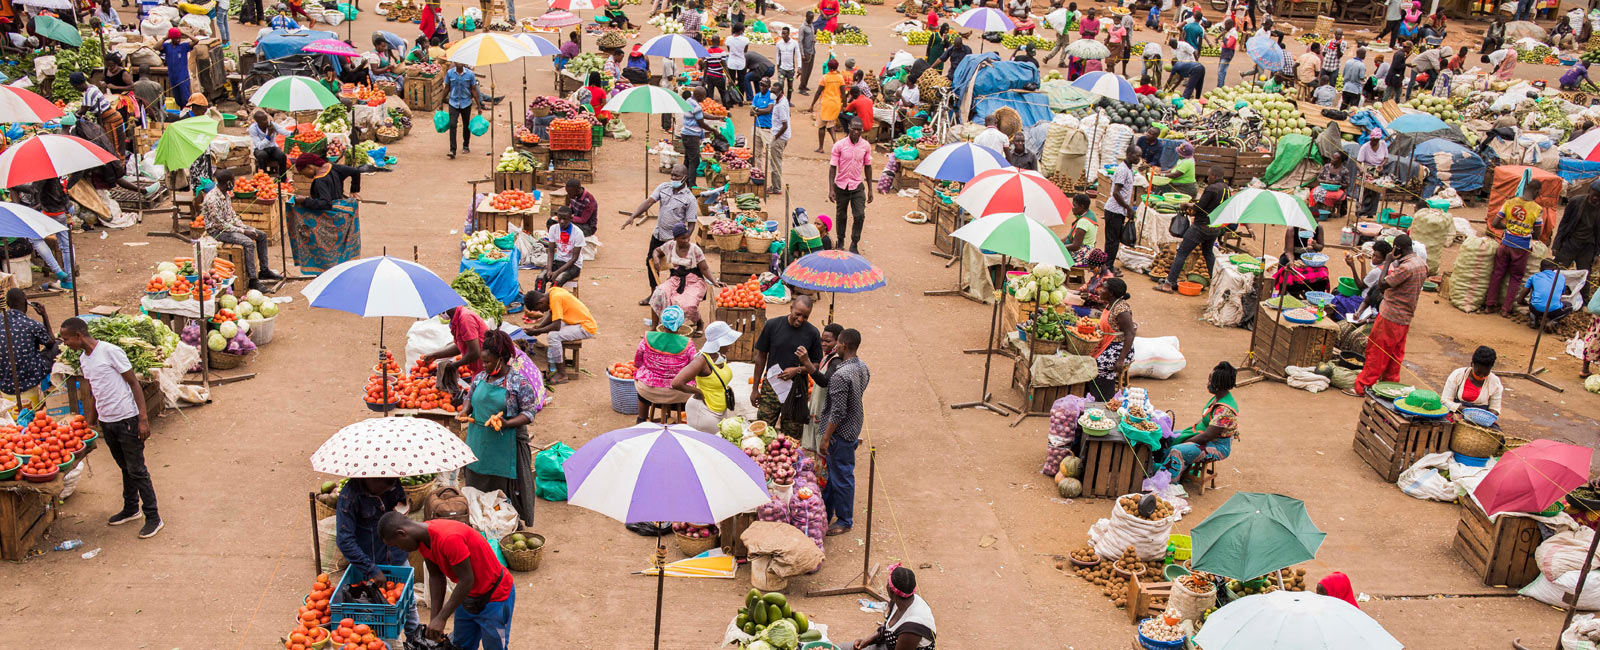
[[570, 352], [1204, 474], [663, 413]]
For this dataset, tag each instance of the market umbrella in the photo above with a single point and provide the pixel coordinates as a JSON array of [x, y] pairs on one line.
[[184, 141], [1011, 235], [51, 155], [332, 46], [293, 93], [1292, 620], [1254, 534], [488, 49], [1417, 123], [835, 272], [573, 5], [1107, 85], [1088, 48], [55, 29], [1265, 53], [673, 46], [1585, 146], [985, 19], [22, 222], [1011, 190], [540, 47], [23, 106], [653, 472], [1268, 208], [1533, 476], [653, 100], [960, 161], [557, 18], [392, 447]]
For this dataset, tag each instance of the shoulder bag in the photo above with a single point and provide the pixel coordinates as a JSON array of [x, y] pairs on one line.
[[727, 391]]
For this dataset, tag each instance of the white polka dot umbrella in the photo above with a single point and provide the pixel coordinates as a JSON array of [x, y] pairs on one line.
[[392, 447]]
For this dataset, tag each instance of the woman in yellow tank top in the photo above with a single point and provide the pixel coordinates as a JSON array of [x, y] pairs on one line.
[[708, 380]]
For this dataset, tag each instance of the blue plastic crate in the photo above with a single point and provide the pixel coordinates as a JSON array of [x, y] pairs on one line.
[[386, 621]]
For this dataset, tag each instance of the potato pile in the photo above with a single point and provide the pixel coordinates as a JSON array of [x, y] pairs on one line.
[[1114, 584], [1085, 555], [1130, 504], [1169, 252]]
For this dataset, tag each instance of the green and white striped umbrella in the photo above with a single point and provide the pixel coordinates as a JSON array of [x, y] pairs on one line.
[[1017, 236], [293, 93], [647, 99], [1251, 205]]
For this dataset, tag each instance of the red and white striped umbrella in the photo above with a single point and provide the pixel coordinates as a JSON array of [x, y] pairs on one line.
[[25, 106], [1012, 190], [573, 5], [49, 156]]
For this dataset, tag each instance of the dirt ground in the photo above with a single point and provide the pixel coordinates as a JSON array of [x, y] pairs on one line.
[[235, 560]]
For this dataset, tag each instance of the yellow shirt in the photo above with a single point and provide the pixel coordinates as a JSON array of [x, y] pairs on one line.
[[566, 308], [713, 387]]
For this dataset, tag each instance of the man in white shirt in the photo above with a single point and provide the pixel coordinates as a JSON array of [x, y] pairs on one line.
[[1182, 51], [788, 60], [737, 45], [1355, 74], [124, 423], [781, 130], [991, 137], [1152, 62], [263, 141], [566, 251]]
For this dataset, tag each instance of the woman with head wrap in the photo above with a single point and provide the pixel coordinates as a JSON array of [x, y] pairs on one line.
[[689, 276], [1182, 172], [909, 622], [661, 355], [323, 224], [1337, 585]]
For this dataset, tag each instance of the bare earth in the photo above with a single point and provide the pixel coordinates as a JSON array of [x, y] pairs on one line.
[[235, 560]]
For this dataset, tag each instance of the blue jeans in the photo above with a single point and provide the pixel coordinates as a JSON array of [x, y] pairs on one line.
[[491, 627], [1222, 71], [839, 497], [221, 17], [1524, 8]]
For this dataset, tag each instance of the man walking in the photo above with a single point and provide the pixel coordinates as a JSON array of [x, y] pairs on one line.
[[677, 209], [850, 184], [761, 109], [485, 595], [1200, 233], [788, 60], [841, 421], [1119, 210], [1391, 22], [808, 50], [124, 421], [778, 348], [32, 350], [1386, 345], [461, 93]]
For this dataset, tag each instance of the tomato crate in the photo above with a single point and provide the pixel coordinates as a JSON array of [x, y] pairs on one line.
[[571, 140], [386, 621]]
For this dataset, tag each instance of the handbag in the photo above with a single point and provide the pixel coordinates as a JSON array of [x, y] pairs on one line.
[[1179, 225], [727, 391], [1130, 233], [476, 604]]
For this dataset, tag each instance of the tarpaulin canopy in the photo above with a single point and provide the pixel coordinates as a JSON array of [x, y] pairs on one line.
[[279, 44], [1416, 131], [1573, 170], [1450, 163], [1292, 149], [1503, 185], [983, 84]]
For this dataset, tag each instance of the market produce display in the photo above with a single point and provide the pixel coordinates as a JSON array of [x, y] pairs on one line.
[[713, 108], [1440, 107], [481, 245], [847, 35], [512, 201], [147, 341], [334, 119], [521, 542], [1049, 325], [1162, 628], [85, 58], [472, 287], [1015, 41], [774, 624], [1538, 54], [313, 615], [666, 24], [1280, 115], [1045, 284], [44, 443], [746, 295], [580, 66], [778, 463], [526, 136], [1139, 116], [694, 531], [734, 158], [1112, 577], [350, 635]]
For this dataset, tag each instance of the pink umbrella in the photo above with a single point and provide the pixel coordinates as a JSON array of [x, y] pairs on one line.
[[1533, 476], [49, 156], [25, 106], [572, 5], [332, 46], [1012, 190], [557, 19]]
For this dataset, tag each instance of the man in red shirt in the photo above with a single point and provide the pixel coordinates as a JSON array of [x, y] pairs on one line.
[[467, 330], [485, 595], [860, 105]]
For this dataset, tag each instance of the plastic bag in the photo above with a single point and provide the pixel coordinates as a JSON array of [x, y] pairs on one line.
[[1156, 358], [441, 121], [1424, 481], [1552, 592], [1110, 537], [907, 153], [478, 125], [551, 480], [491, 512], [426, 336], [1583, 632], [69, 483]]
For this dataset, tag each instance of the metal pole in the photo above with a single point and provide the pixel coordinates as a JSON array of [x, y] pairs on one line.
[[872, 479], [205, 350], [11, 356], [72, 270], [316, 539], [1533, 375]]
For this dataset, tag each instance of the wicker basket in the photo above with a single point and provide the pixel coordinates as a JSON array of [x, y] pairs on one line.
[[692, 546], [738, 175], [417, 495], [1039, 346], [525, 559], [1469, 439], [1512, 442], [225, 361], [539, 111], [758, 244], [729, 243], [324, 510], [1077, 345]]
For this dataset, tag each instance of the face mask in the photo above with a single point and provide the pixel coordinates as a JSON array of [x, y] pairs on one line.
[[677, 185]]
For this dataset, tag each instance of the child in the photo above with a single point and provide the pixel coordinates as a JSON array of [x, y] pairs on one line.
[[1145, 87], [1326, 94]]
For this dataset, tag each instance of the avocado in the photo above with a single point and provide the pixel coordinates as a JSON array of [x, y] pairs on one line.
[[751, 598], [750, 628], [774, 613], [800, 623], [758, 615], [740, 620], [775, 598], [810, 635], [786, 611], [328, 486]]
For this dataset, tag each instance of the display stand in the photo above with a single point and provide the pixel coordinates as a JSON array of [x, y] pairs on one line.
[[1276, 344], [1111, 466], [869, 572], [988, 351], [1038, 399], [738, 266], [25, 514], [1500, 552], [1391, 441], [748, 322]]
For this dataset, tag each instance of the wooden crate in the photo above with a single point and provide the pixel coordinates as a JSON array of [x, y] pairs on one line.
[[729, 530], [1249, 165], [750, 187], [1039, 398], [738, 266], [1275, 344], [424, 95], [946, 218], [572, 160], [1206, 157], [1501, 552], [558, 177], [539, 152], [264, 217], [1147, 600], [1112, 467], [748, 321], [25, 513], [513, 181], [1391, 441]]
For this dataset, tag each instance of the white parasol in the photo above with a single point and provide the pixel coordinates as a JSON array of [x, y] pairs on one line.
[[392, 447]]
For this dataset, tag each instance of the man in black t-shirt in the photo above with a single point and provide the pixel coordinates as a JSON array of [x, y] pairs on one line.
[[1200, 232], [779, 345]]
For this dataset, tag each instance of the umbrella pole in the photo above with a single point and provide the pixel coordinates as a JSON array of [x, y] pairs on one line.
[[1577, 592], [660, 560], [647, 119], [384, 366], [524, 85], [316, 538], [988, 359], [868, 572], [72, 271]]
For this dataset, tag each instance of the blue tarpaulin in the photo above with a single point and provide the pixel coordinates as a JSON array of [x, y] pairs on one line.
[[1450, 163], [501, 276], [997, 83], [1573, 169], [279, 44]]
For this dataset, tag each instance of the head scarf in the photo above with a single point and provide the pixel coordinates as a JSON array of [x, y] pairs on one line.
[[672, 318], [826, 221], [1185, 150], [310, 160], [1338, 586], [174, 34], [680, 230]]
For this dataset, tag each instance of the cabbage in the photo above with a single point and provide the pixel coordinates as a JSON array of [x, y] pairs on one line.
[[781, 635], [255, 316], [758, 645], [255, 297], [228, 329], [243, 325], [268, 308], [168, 277], [167, 267], [1592, 383], [732, 429], [216, 342], [243, 309], [227, 301]]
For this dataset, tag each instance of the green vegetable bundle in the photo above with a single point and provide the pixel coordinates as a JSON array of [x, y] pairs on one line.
[[147, 341], [85, 59], [472, 287], [747, 202], [583, 64]]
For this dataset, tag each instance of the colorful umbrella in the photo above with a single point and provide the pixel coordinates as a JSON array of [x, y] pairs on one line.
[[293, 93], [573, 5], [1532, 477], [487, 49], [960, 161], [55, 29], [834, 271], [673, 46], [332, 46], [1106, 84], [184, 141], [49, 156], [1254, 534], [557, 19], [23, 106], [1016, 235], [1267, 207], [648, 99], [23, 222], [1586, 146], [538, 45], [1009, 191], [382, 286], [1265, 53], [985, 19], [392, 447], [1088, 48], [1287, 620]]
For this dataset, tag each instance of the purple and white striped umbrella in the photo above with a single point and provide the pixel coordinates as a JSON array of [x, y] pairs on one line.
[[985, 19], [960, 161], [654, 472], [382, 286]]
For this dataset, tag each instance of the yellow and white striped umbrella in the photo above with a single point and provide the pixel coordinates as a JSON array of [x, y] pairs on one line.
[[488, 49]]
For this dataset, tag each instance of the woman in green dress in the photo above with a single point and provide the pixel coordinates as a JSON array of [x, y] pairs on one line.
[[1212, 437], [499, 408]]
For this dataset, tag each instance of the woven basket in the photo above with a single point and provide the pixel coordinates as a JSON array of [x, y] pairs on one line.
[[1469, 439], [225, 361], [1512, 442], [1038, 346], [758, 244], [1077, 345], [539, 111], [738, 175], [729, 243], [324, 510], [417, 495], [525, 559], [692, 546]]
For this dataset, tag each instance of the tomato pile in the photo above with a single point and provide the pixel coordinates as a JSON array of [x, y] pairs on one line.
[[353, 636], [312, 615], [49, 443], [155, 285], [181, 289], [713, 107], [568, 125], [8, 461], [260, 183], [747, 295], [526, 136], [623, 370], [417, 389], [309, 133], [512, 200]]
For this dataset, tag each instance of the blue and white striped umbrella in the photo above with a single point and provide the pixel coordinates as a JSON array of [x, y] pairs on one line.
[[674, 46], [22, 221], [653, 472], [382, 286], [539, 46], [985, 19], [961, 161], [1106, 85]]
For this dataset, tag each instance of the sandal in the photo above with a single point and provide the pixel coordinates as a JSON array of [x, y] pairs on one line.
[[836, 530], [555, 380], [1163, 287]]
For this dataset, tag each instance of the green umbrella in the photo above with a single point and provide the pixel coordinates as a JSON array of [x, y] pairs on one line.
[[184, 141], [1254, 534], [1252, 205], [1015, 235], [54, 28], [293, 93]]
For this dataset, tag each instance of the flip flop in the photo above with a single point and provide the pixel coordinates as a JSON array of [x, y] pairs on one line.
[[836, 530], [556, 381]]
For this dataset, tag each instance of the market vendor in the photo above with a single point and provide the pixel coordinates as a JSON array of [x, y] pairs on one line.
[[1181, 175], [362, 502], [1294, 277], [32, 351], [1348, 303], [566, 251], [223, 224], [618, 18], [775, 359], [1576, 76], [263, 142], [434, 29], [467, 333], [1212, 437], [1545, 294], [1475, 385], [689, 276], [908, 623], [660, 356], [1150, 147], [708, 380], [585, 208], [1337, 585], [499, 407], [383, 62], [564, 318], [1200, 233], [1085, 230], [327, 181], [1333, 179], [485, 595], [1117, 330], [119, 78]]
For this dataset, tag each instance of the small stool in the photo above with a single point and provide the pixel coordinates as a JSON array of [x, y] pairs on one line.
[[570, 351], [1204, 474], [664, 413]]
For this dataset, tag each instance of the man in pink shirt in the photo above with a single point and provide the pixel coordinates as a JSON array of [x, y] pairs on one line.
[[850, 183]]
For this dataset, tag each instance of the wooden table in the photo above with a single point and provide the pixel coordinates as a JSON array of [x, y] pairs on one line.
[[1391, 441], [1500, 552], [1112, 467], [1037, 400], [1276, 344], [25, 514]]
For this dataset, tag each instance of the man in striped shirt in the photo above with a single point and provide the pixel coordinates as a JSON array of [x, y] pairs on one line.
[[841, 421]]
